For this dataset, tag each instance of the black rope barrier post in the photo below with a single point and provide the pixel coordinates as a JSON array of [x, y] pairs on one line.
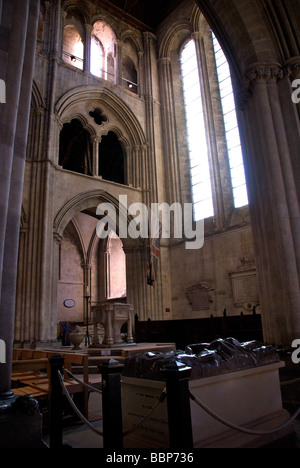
[[56, 403], [112, 404], [179, 409]]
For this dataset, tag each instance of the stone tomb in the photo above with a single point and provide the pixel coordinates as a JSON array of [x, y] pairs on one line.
[[248, 396]]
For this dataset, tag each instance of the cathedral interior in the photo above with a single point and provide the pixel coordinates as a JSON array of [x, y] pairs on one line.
[[132, 104]]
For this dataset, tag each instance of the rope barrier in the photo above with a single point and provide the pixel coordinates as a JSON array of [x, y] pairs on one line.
[[94, 389], [85, 421], [161, 400], [79, 414], [137, 426], [239, 428]]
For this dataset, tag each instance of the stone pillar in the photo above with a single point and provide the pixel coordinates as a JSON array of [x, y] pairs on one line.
[[87, 47], [118, 63], [170, 134], [96, 142], [87, 272], [292, 68], [152, 119], [141, 77], [35, 134], [107, 272], [19, 23], [274, 206]]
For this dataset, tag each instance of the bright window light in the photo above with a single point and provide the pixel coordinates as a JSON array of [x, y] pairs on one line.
[[231, 128], [197, 139], [96, 59]]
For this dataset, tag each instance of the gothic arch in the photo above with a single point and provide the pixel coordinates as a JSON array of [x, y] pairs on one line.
[[175, 34], [120, 119], [72, 99], [79, 6], [131, 37], [82, 119], [243, 32], [86, 201], [106, 18], [122, 139]]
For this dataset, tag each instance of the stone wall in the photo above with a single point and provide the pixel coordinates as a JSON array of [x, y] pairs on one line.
[[151, 128]]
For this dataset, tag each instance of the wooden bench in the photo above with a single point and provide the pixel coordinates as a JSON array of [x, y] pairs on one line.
[[32, 370]]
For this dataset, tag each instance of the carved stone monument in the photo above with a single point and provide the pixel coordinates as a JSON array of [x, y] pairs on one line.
[[112, 316]]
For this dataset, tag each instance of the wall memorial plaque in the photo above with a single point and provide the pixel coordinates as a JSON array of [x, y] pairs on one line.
[[244, 288]]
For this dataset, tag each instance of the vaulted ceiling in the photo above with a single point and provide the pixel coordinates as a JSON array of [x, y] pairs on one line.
[[148, 12]]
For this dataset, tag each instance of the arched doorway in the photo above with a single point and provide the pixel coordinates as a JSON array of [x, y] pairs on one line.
[[88, 263]]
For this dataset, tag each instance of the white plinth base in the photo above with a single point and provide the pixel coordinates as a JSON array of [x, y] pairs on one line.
[[249, 398]]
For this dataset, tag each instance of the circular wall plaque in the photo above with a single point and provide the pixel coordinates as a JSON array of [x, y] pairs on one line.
[[69, 303]]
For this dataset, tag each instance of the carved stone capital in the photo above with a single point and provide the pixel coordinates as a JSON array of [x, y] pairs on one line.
[[96, 139], [264, 73], [165, 60], [58, 237], [292, 68]]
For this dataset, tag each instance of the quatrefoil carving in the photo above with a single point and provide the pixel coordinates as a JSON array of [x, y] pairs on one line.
[[98, 116]]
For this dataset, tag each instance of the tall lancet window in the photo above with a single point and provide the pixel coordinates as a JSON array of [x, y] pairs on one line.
[[234, 148], [197, 137], [96, 58]]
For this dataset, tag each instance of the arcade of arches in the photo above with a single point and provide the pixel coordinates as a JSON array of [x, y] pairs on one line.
[[103, 113]]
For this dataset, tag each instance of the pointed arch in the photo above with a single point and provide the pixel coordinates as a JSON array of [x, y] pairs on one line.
[[88, 201], [79, 6], [178, 32], [66, 106], [73, 230]]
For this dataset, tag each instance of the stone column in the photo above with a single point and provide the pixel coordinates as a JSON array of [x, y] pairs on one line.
[[35, 134], [292, 68], [87, 47], [170, 134], [107, 272], [20, 20], [118, 63], [274, 206], [151, 95], [87, 271], [96, 142], [141, 77]]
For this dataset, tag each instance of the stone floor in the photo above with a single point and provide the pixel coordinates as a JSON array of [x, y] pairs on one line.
[[77, 435]]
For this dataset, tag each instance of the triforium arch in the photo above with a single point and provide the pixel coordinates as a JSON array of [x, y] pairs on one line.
[[119, 118]]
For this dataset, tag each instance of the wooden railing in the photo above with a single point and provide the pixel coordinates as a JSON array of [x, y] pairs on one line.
[[185, 332]]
